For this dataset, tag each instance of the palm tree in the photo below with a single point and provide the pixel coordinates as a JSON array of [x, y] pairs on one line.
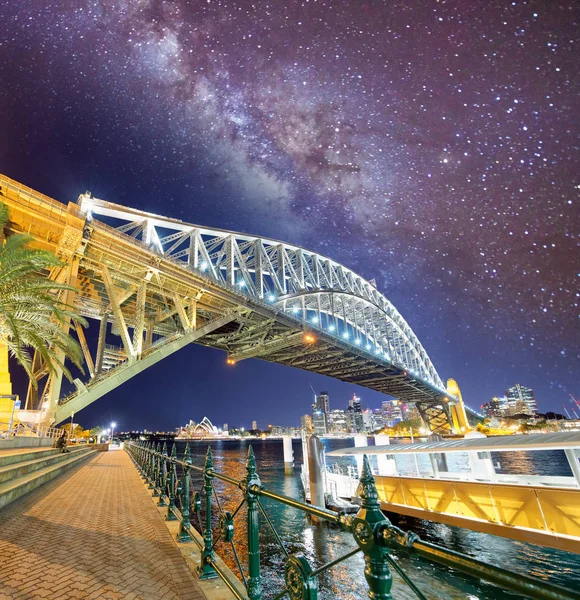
[[31, 316]]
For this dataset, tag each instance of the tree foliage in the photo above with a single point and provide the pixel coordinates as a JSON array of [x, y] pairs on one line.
[[31, 315]]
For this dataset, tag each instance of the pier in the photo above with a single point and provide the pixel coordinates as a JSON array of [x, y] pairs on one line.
[[91, 533], [144, 523]]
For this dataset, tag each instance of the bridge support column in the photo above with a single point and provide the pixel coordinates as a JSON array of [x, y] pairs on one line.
[[52, 390], [288, 455], [315, 472]]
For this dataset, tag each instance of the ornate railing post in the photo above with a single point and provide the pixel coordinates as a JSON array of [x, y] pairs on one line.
[[184, 535], [139, 458], [172, 476], [367, 530], [254, 579], [163, 477], [206, 570], [142, 459], [158, 460], [145, 461], [151, 469], [156, 469]]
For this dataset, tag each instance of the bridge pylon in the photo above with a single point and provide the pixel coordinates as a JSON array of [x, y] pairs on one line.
[[458, 414]]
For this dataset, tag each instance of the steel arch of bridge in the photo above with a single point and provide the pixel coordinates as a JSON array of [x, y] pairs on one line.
[[160, 284], [322, 293]]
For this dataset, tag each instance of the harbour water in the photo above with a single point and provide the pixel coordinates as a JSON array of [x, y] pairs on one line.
[[322, 543]]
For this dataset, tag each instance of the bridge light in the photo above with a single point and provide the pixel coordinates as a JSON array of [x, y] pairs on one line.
[[357, 342], [368, 346], [315, 320], [242, 283], [295, 309], [230, 361], [203, 267], [271, 297], [331, 328], [345, 335], [309, 338]]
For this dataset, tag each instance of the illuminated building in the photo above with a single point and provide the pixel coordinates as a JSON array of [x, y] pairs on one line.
[[519, 395], [320, 410]]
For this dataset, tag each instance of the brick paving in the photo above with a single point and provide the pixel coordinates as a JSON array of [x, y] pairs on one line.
[[92, 533]]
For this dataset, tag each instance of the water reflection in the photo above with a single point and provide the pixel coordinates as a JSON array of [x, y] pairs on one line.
[[322, 543]]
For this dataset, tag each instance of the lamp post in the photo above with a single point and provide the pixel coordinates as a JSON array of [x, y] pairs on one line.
[[112, 432]]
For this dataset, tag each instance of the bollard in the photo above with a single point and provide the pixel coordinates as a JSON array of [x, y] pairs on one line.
[[254, 579], [172, 476], [288, 455], [163, 477], [315, 472], [206, 570], [184, 535], [367, 530]]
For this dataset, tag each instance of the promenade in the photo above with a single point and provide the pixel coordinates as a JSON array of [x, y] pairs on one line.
[[93, 533]]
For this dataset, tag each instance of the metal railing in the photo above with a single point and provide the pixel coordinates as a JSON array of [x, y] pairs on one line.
[[373, 533], [23, 429]]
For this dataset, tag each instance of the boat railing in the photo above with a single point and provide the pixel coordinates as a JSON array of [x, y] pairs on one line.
[[560, 481], [169, 478]]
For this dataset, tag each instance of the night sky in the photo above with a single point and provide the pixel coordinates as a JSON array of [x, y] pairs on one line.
[[430, 145]]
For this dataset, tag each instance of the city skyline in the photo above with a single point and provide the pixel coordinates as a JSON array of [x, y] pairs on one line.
[[433, 150]]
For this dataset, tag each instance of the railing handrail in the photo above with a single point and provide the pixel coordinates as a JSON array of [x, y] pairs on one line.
[[372, 531], [21, 428]]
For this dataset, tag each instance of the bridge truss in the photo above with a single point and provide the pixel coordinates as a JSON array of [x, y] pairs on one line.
[[159, 284]]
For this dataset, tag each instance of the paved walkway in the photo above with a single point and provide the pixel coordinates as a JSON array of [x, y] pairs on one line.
[[92, 533]]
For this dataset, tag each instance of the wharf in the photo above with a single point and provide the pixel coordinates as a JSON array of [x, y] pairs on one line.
[[93, 533]]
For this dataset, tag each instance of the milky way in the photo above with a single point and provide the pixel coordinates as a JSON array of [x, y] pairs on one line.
[[430, 145]]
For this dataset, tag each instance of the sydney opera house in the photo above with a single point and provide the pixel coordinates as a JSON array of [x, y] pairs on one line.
[[203, 429]]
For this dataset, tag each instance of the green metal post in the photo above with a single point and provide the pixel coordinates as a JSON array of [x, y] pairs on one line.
[[150, 466], [254, 579], [156, 469], [367, 530], [145, 460], [206, 570], [172, 485], [184, 535], [163, 477]]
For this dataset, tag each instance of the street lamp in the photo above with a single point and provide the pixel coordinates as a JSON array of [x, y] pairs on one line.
[[112, 432]]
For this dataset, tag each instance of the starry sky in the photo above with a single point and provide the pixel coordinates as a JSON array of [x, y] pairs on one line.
[[430, 145]]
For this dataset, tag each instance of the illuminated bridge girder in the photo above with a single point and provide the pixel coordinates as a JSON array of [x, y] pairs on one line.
[[148, 279]]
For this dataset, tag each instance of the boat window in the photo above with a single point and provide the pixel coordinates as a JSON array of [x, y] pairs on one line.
[[482, 455], [441, 461]]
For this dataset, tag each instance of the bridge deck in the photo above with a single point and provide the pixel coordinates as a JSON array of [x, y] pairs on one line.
[[92, 534]]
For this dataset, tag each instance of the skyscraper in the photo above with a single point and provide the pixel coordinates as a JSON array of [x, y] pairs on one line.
[[320, 410], [254, 425], [521, 395], [357, 417], [338, 421]]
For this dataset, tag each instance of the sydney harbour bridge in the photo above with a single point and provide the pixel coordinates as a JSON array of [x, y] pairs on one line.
[[159, 284]]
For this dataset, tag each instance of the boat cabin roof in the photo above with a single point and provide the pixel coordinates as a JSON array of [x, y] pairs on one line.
[[504, 443]]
